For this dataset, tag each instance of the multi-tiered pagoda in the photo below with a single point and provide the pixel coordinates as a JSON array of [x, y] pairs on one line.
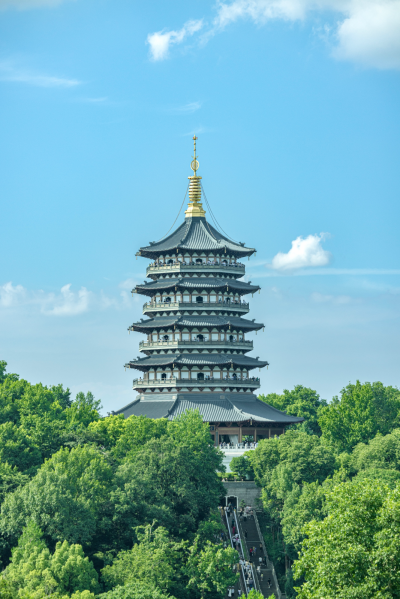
[[197, 334]]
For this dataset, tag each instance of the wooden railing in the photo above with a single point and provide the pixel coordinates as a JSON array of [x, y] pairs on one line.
[[175, 343], [252, 382]]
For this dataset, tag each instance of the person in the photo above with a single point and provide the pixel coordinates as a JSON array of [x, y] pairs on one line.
[[269, 583], [254, 551], [239, 592], [259, 569], [261, 548], [233, 529], [245, 533], [261, 576], [260, 560], [233, 521]]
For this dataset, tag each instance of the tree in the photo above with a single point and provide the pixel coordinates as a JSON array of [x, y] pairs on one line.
[[242, 465], [172, 479], [363, 411], [302, 505], [211, 569], [157, 561], [295, 458], [355, 551], [84, 410], [65, 499], [301, 402], [135, 590], [379, 452], [34, 570]]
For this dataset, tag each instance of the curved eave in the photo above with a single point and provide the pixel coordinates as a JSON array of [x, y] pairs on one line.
[[205, 360], [195, 235], [146, 326], [193, 283]]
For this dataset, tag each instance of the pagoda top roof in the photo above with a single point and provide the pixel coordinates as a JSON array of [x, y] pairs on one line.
[[195, 234], [196, 359]]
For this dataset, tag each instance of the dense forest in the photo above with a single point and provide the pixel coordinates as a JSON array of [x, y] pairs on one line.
[[127, 509], [331, 493]]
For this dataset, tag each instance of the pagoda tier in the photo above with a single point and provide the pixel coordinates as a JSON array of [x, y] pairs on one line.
[[195, 285], [195, 353], [203, 324]]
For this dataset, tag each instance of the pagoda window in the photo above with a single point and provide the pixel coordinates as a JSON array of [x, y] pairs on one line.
[[165, 338], [199, 299], [214, 336], [167, 300], [151, 375], [154, 337], [170, 261], [185, 336], [184, 374], [163, 376], [200, 376]]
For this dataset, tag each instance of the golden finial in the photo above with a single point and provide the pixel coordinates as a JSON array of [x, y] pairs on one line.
[[195, 163], [195, 207]]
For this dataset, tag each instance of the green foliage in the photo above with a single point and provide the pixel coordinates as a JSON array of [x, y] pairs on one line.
[[156, 560], [135, 590], [256, 595], [37, 573], [210, 569], [242, 466], [84, 410], [363, 411], [355, 551], [302, 505], [301, 402], [64, 498]]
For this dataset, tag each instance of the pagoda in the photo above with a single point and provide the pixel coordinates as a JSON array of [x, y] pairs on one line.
[[196, 346]]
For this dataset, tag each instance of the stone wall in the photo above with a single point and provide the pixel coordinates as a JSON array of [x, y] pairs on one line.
[[246, 490]]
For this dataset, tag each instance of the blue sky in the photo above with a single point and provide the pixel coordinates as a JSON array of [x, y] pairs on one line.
[[296, 107]]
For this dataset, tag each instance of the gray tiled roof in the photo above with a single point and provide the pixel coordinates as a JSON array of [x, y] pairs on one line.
[[151, 409], [200, 359], [165, 322], [195, 234], [195, 283], [214, 407]]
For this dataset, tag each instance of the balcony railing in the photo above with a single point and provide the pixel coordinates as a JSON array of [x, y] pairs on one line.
[[155, 306], [244, 343], [252, 382], [192, 266]]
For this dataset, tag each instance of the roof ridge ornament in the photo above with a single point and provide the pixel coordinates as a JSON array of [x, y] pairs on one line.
[[195, 207]]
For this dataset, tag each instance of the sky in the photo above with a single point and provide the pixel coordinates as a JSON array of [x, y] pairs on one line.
[[296, 106]]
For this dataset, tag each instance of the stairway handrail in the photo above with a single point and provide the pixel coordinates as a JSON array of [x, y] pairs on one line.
[[230, 536], [254, 571], [271, 565]]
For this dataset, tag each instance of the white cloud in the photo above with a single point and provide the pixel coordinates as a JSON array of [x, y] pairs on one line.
[[161, 41], [364, 31], [26, 4], [305, 252], [10, 72], [370, 34], [10, 295], [67, 303]]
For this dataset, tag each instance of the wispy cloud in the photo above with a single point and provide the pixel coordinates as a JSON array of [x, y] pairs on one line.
[[13, 73], [321, 298], [355, 272], [365, 31], [66, 302], [161, 41], [188, 108], [305, 252], [102, 100]]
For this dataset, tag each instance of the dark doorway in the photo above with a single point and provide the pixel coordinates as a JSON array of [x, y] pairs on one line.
[[232, 500], [200, 376], [199, 299]]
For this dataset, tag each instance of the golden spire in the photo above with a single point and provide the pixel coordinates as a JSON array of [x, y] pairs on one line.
[[195, 207]]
